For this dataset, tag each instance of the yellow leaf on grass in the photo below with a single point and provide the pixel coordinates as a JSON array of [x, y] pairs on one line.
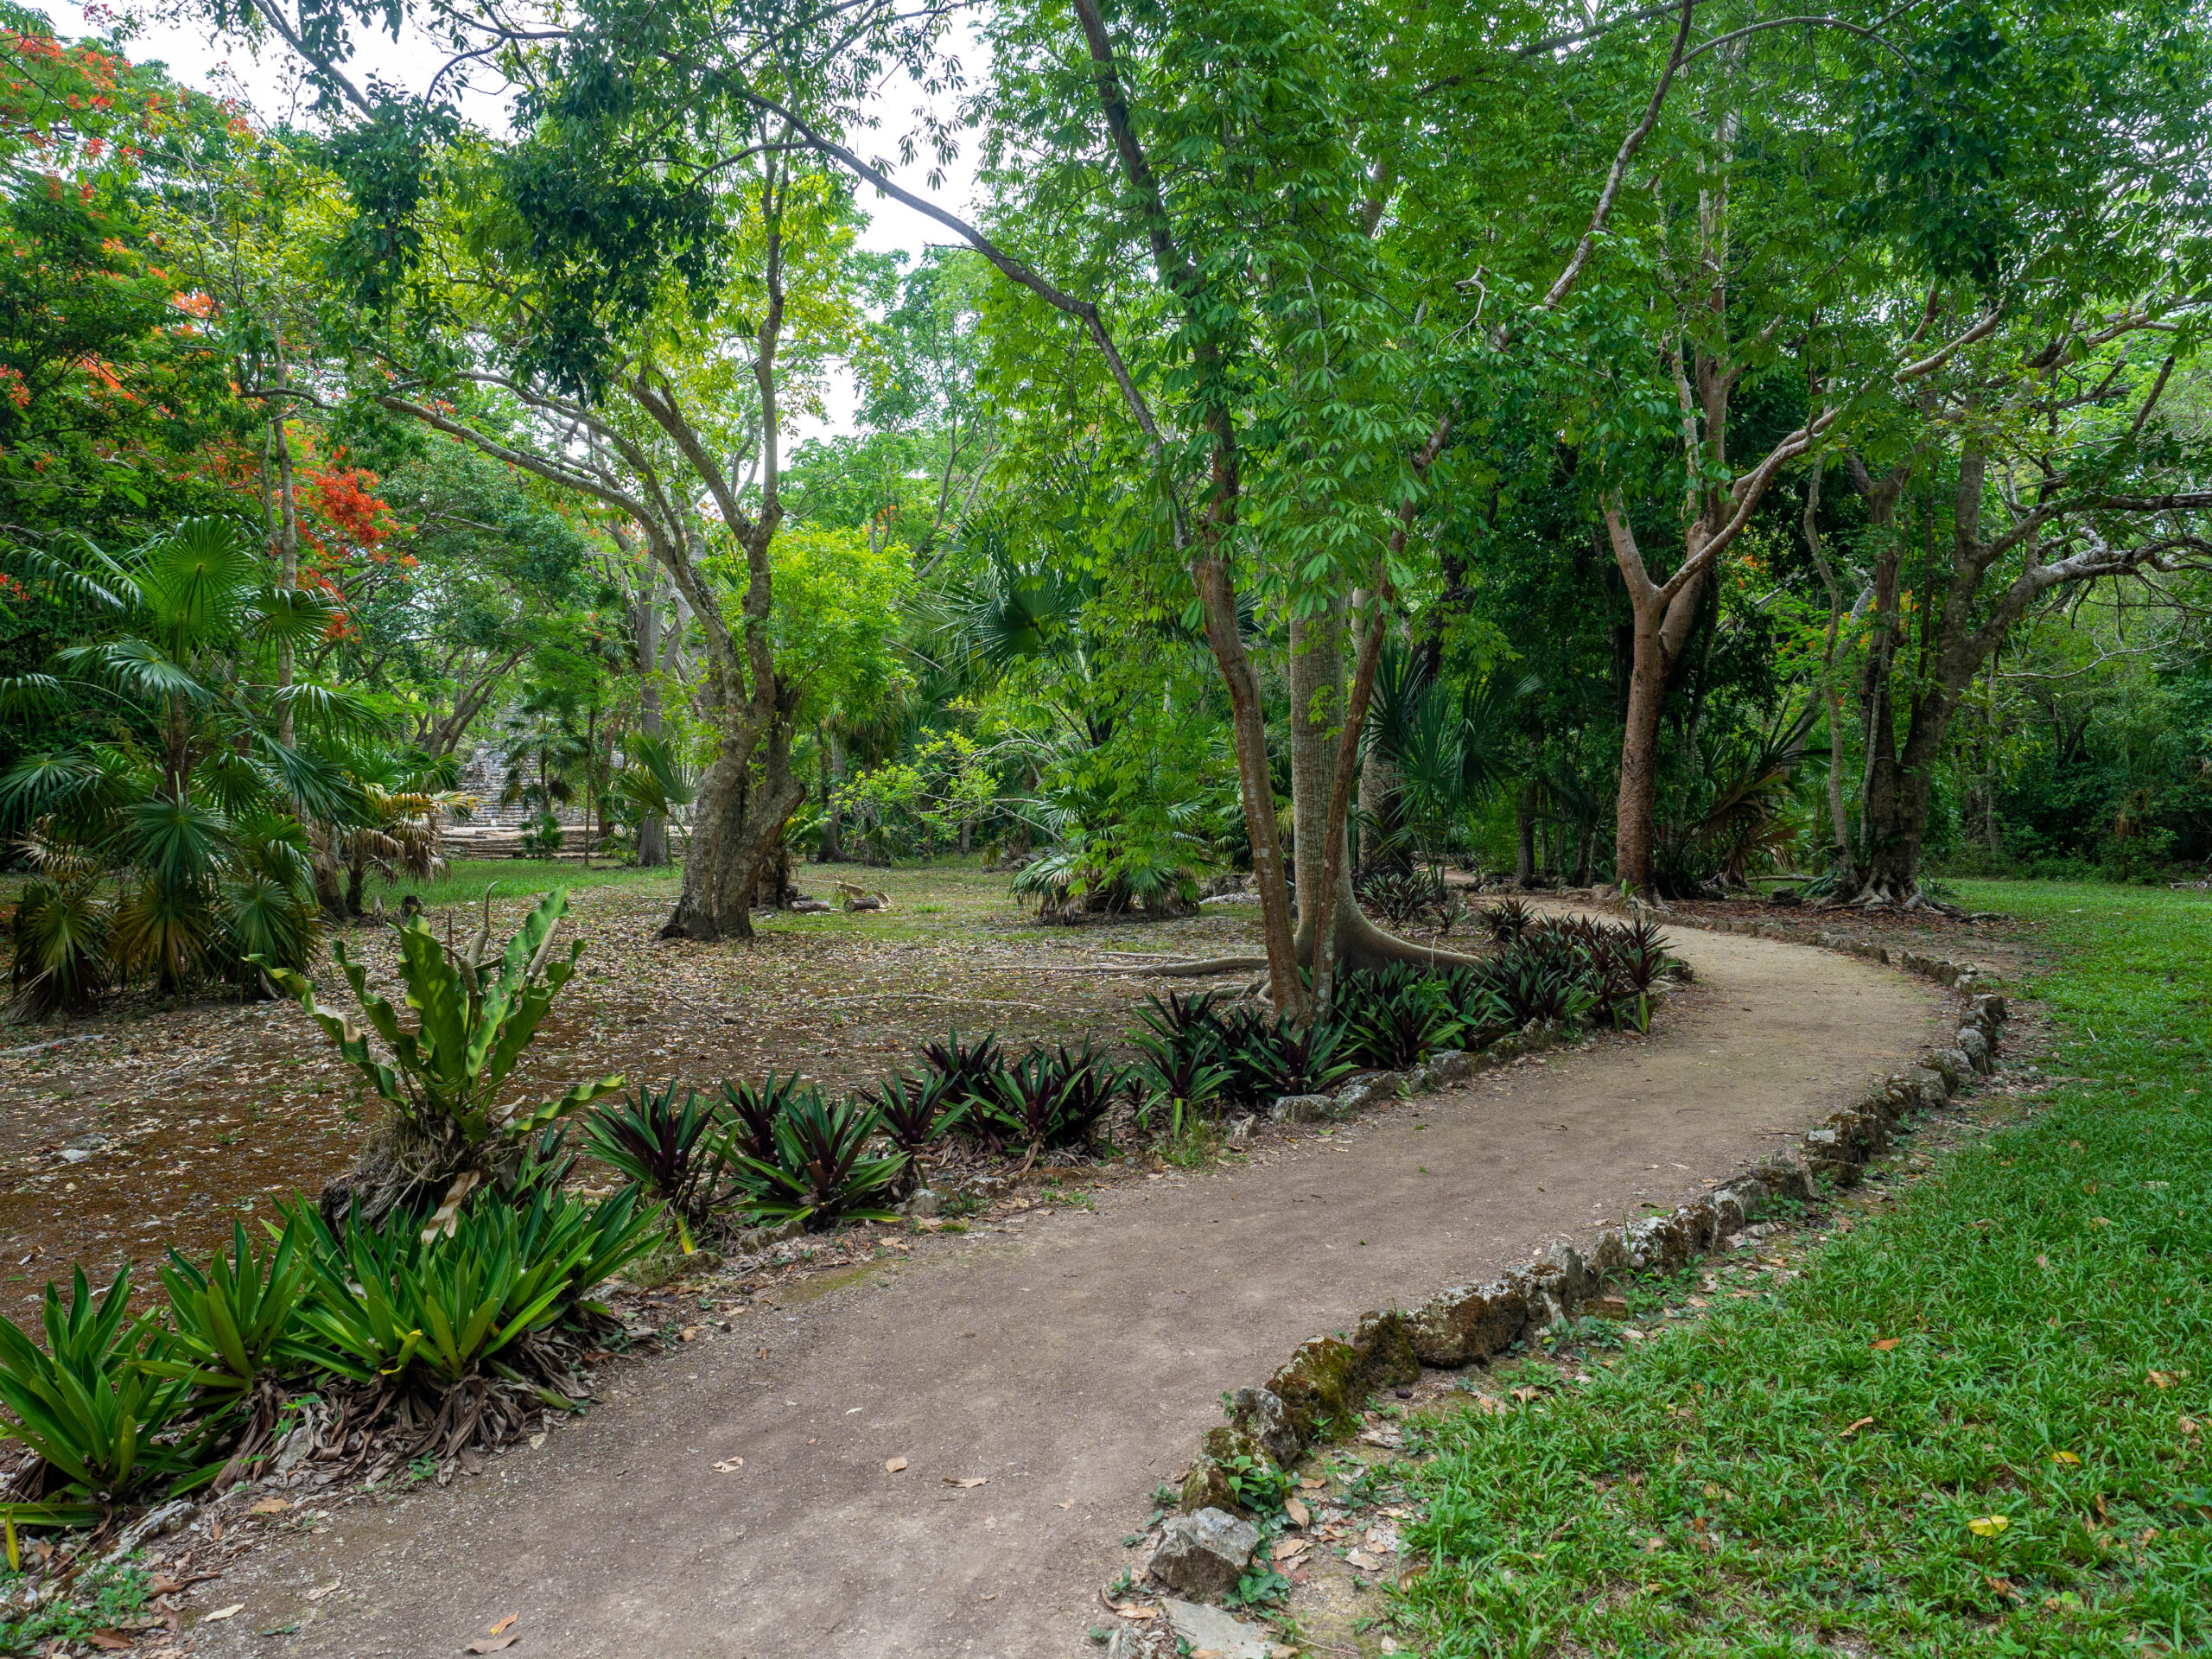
[[895, 1465], [1862, 1423], [2064, 1457], [1886, 1344], [1988, 1526]]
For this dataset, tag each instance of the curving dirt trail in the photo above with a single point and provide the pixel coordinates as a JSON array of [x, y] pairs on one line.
[[1073, 1364]]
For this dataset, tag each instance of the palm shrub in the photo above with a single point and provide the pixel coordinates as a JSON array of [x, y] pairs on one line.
[[674, 1152], [818, 1175], [96, 1416], [478, 1014], [164, 850]]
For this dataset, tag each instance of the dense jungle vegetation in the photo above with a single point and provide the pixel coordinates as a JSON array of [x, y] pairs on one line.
[[1668, 449]]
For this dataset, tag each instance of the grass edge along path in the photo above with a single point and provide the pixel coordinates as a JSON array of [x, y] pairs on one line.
[[1976, 1425]]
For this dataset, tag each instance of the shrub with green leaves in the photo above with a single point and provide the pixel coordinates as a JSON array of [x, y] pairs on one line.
[[241, 1317], [398, 1301], [90, 1407], [818, 1176], [478, 1014], [674, 1151]]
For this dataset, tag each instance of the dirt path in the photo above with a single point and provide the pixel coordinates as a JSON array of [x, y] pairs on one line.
[[1073, 1364]]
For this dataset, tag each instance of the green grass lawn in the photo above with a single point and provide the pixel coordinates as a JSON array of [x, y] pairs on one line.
[[2020, 1466], [466, 878]]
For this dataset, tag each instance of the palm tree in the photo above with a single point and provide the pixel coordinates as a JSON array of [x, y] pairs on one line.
[[166, 826]]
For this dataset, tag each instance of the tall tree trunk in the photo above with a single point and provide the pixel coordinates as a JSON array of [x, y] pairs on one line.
[[652, 829], [1524, 834], [1662, 623], [830, 849], [1317, 712]]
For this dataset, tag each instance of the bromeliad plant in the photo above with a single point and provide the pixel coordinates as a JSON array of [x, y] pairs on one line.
[[241, 1318], [817, 1176], [478, 1014], [91, 1409], [1057, 1099], [675, 1152], [396, 1305]]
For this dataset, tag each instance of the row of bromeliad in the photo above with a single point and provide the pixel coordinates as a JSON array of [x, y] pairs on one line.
[[783, 1152], [399, 1309]]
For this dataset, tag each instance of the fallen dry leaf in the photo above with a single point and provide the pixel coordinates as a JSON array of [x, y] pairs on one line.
[[729, 1465], [322, 1590], [230, 1611], [1286, 1548], [968, 1485], [1886, 1344], [164, 1586], [500, 1629], [1132, 1611], [1855, 1428], [1312, 1482], [895, 1465], [492, 1645], [2162, 1379], [1299, 1514], [269, 1506], [114, 1640]]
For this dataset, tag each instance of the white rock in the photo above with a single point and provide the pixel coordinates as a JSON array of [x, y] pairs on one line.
[[1210, 1628]]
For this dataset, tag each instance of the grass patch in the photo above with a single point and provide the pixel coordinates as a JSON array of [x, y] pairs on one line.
[[464, 881], [2019, 1468]]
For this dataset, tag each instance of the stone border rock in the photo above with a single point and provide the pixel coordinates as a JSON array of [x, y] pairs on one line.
[[1326, 1380]]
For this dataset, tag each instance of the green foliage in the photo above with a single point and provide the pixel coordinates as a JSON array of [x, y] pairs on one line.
[[103, 1599], [478, 1014], [2039, 1285], [674, 1152], [241, 1317], [438, 1307], [817, 1176], [1056, 1099], [88, 1405], [1187, 1064]]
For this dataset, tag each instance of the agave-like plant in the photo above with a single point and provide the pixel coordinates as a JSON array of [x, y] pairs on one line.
[[478, 1012], [671, 1150], [818, 1176]]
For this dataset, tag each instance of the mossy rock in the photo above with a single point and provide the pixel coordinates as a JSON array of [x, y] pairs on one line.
[[1207, 1486], [1329, 1376]]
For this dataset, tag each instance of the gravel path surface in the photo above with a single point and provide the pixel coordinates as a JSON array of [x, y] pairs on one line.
[[1070, 1361]]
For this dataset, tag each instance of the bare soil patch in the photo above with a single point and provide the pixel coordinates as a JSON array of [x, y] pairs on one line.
[[158, 1126]]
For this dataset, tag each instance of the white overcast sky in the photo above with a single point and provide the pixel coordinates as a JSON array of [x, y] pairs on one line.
[[169, 31]]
